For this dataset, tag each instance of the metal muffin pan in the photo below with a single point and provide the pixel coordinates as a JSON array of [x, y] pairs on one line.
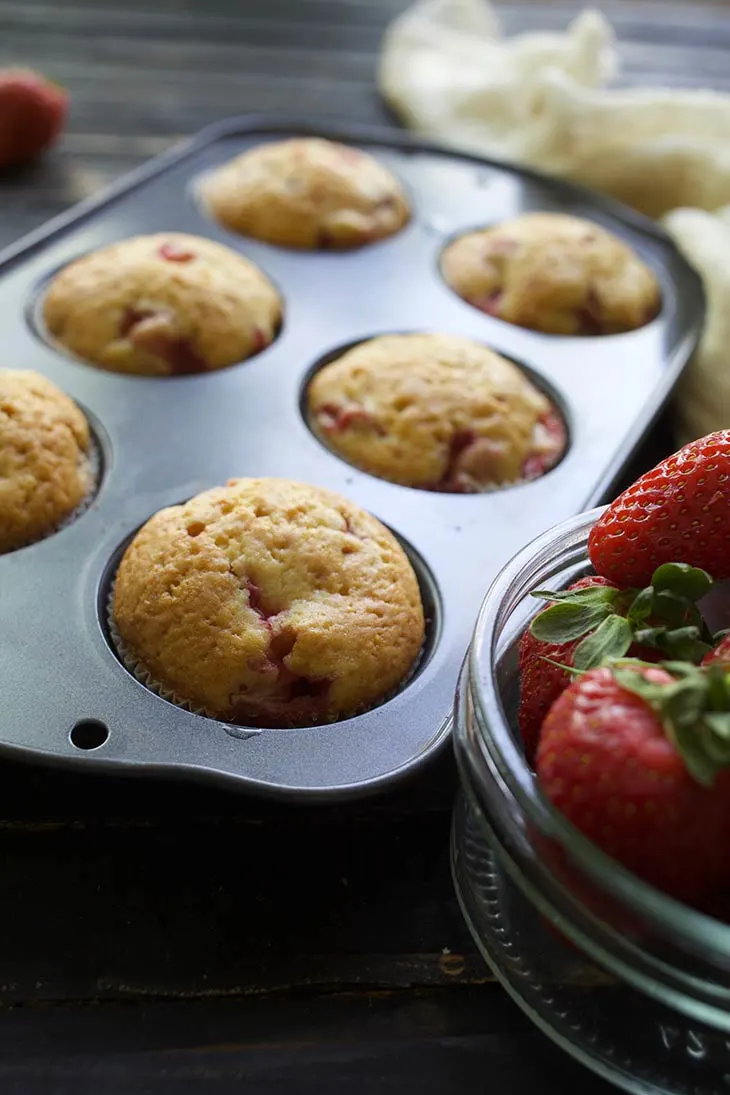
[[67, 699]]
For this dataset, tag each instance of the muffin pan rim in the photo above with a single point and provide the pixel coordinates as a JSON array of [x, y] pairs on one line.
[[333, 129], [110, 390]]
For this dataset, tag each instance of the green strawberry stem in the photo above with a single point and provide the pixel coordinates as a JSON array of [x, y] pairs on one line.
[[611, 639], [694, 711], [663, 616]]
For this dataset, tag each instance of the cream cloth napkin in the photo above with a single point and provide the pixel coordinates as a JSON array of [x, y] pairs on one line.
[[542, 99]]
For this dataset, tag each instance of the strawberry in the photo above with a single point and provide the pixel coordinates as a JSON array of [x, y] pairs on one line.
[[679, 510], [721, 654], [636, 757], [592, 620], [32, 114], [542, 680]]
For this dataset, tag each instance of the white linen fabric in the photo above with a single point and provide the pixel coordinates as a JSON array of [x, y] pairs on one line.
[[544, 99]]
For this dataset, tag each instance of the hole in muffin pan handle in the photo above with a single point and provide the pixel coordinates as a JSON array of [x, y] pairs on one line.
[[88, 734]]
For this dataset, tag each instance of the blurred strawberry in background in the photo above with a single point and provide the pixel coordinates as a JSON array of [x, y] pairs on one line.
[[32, 114]]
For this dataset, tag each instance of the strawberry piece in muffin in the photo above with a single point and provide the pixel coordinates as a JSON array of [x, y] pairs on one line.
[[436, 412], [162, 305], [269, 603], [553, 273]]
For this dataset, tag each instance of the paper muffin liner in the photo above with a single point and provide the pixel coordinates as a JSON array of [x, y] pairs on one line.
[[140, 672], [93, 462]]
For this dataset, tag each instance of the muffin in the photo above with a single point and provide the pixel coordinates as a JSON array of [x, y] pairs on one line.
[[269, 603], [437, 412], [553, 273], [307, 193], [162, 305], [45, 468]]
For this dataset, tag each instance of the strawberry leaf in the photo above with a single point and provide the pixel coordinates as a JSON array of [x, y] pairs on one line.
[[611, 639], [683, 580], [634, 681], [689, 744], [719, 724], [663, 616], [694, 617], [718, 687], [682, 643], [683, 703], [681, 669], [669, 608], [592, 595], [641, 607], [562, 623], [701, 736]]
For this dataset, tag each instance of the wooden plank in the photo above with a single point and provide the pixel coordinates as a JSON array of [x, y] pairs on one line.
[[164, 939], [429, 1043], [184, 906]]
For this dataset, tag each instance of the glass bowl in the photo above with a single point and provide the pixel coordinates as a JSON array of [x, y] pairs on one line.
[[632, 983]]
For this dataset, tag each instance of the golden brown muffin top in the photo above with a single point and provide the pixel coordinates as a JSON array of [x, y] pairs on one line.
[[553, 273], [307, 192], [162, 305], [270, 602], [45, 472], [439, 412]]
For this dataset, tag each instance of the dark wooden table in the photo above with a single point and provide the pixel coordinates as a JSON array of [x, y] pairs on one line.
[[158, 939]]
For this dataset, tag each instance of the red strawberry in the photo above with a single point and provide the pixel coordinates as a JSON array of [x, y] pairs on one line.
[[720, 654], [32, 114], [594, 620], [541, 682], [679, 510], [636, 758], [172, 253]]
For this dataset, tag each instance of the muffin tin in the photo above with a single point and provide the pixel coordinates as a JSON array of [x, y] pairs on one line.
[[67, 699]]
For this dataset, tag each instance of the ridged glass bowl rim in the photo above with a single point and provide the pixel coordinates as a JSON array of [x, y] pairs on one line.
[[557, 551]]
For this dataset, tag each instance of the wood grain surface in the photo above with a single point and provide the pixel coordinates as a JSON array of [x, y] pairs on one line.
[[165, 939]]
